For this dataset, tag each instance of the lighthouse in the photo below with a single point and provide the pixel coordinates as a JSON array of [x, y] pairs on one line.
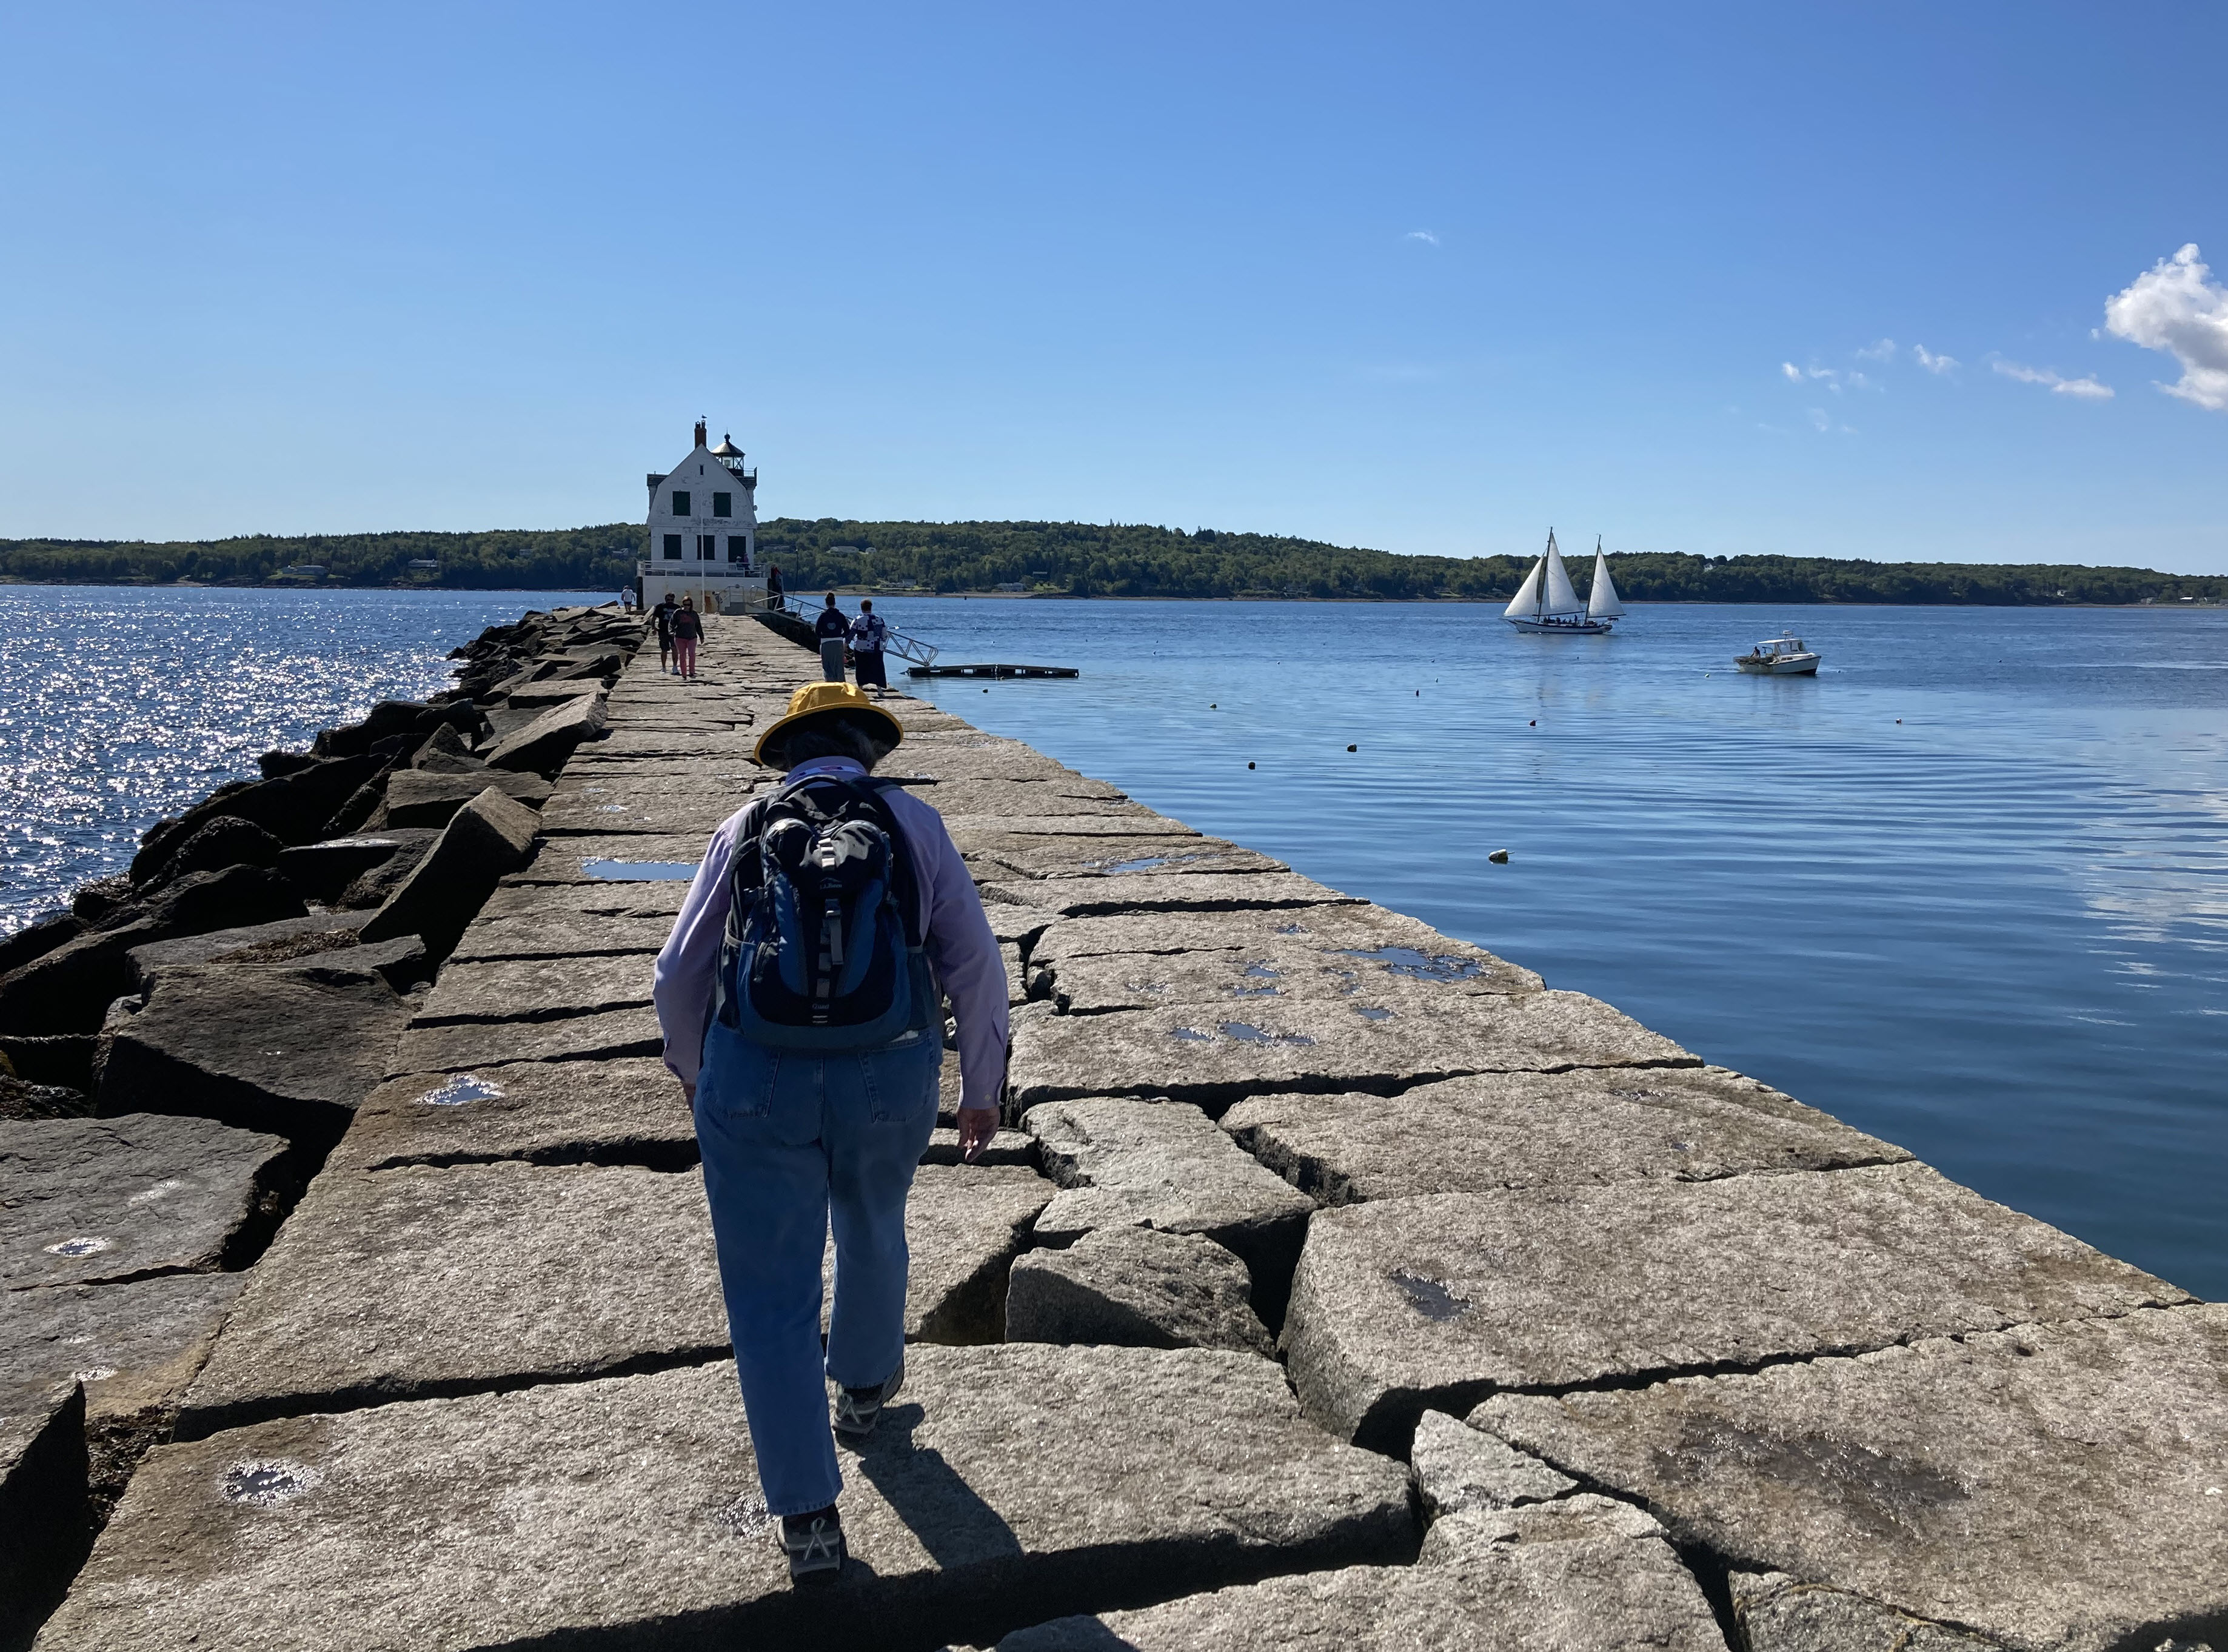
[[703, 531]]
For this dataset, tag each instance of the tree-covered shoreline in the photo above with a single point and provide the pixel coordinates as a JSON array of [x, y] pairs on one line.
[[1069, 559]]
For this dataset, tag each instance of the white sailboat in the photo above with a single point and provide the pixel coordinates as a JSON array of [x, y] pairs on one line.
[[1546, 601], [1602, 602]]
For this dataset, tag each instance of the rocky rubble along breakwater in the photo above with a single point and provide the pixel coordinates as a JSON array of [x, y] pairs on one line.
[[1336, 1282]]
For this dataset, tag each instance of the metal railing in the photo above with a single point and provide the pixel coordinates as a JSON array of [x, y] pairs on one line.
[[911, 649]]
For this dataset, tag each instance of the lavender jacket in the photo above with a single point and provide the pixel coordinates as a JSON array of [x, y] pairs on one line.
[[961, 948]]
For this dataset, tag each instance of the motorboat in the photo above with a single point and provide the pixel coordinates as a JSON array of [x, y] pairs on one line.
[[1782, 656], [1547, 602]]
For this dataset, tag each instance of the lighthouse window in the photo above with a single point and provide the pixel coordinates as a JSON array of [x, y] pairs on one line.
[[673, 548], [680, 502], [739, 548], [723, 505]]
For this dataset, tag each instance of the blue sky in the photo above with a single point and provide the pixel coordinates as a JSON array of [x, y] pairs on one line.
[[1423, 277]]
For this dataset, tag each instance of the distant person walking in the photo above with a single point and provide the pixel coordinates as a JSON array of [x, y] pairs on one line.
[[813, 1078], [869, 632], [662, 617], [832, 628], [687, 631], [773, 584]]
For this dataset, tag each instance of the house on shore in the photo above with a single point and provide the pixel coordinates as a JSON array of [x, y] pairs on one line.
[[703, 531]]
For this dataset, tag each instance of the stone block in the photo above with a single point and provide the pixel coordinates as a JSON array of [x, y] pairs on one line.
[[1122, 1162], [2044, 1486], [543, 745], [45, 1515], [597, 860], [1148, 892], [607, 809], [602, 1036], [95, 1199], [1353, 934], [1064, 794], [544, 903], [1459, 1468], [427, 1280], [964, 1225], [537, 989], [258, 943], [490, 835], [1589, 1575], [1213, 1057], [218, 842], [277, 1048], [1118, 822], [1007, 1485], [561, 936], [1437, 1302], [424, 798], [1777, 1613], [1136, 1287], [622, 1112], [1529, 1130], [1285, 971], [37, 938], [1014, 854]]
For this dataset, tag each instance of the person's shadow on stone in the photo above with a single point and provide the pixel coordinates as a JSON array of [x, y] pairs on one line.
[[953, 1524]]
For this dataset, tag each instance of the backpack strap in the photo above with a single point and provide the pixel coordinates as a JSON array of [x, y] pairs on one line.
[[906, 882]]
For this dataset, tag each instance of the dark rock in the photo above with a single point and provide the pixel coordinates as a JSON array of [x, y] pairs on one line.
[[1136, 1287], [387, 718], [277, 764], [424, 798], [544, 743], [101, 898], [96, 1199], [226, 841], [401, 962], [258, 943], [374, 889], [292, 807], [271, 1047], [1125, 1163], [322, 870], [1588, 1575], [231, 899], [361, 803], [1172, 1471], [1436, 1302], [489, 836], [2045, 1486], [628, 1110], [20, 1099], [443, 751], [36, 940], [65, 1060], [1460, 1468], [1522, 1130], [44, 1511]]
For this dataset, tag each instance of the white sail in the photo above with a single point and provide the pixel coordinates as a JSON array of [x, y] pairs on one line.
[[1602, 604], [1527, 603], [1561, 601]]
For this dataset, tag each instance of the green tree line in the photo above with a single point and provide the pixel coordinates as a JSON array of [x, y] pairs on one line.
[[1075, 559]]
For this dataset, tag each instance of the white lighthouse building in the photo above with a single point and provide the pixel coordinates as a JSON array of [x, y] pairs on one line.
[[703, 531]]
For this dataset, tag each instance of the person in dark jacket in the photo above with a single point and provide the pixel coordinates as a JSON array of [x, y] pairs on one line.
[[687, 631], [662, 617], [832, 627], [870, 633], [773, 585]]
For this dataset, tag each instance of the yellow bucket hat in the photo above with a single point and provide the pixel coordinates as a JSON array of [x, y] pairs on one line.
[[816, 698]]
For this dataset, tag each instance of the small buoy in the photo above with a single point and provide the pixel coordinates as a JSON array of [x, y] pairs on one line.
[[1211, 706], [1499, 857], [1899, 722], [1249, 766], [1419, 694], [1534, 723], [1354, 748]]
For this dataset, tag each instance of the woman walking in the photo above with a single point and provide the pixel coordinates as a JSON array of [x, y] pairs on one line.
[[814, 1085], [687, 631], [831, 628], [869, 633], [662, 617]]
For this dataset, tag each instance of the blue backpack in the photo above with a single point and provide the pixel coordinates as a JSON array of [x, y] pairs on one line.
[[822, 950]]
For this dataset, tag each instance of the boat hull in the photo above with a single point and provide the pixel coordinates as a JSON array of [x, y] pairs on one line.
[[1780, 668], [1562, 627]]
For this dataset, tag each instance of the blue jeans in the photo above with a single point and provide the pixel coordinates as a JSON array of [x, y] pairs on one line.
[[788, 1137]]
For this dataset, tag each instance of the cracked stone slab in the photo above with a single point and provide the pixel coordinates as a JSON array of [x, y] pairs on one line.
[[648, 898], [1123, 822], [1014, 854], [1146, 892], [1589, 1575], [536, 988], [1528, 1130], [1125, 1162], [500, 1520], [603, 1036], [1354, 934], [1064, 794], [91, 1200], [1215, 1057], [561, 936], [2047, 1486], [1437, 1302], [609, 811], [136, 1346], [673, 857], [628, 740], [44, 1510], [964, 1225], [1136, 1287], [427, 797], [1459, 1468], [427, 1280], [1777, 1613], [1284, 972], [624, 1111]]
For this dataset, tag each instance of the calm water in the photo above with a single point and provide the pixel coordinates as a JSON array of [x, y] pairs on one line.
[[1966, 889], [120, 706]]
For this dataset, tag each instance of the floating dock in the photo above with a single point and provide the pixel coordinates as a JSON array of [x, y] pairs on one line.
[[1338, 1281], [992, 671]]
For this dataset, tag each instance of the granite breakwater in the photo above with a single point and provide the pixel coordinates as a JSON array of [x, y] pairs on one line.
[[1335, 1281]]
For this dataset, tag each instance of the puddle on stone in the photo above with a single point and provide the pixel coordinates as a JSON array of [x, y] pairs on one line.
[[639, 871], [268, 1483], [1263, 971], [1292, 929], [1246, 1033], [611, 808], [80, 1247], [1115, 869], [1420, 966], [1256, 992], [1430, 1298], [1192, 1035], [1369, 1014], [465, 1087]]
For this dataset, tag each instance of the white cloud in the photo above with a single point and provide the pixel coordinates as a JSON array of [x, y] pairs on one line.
[[1883, 351], [2086, 388], [1933, 363], [1820, 420], [2176, 307], [1794, 373], [1423, 235]]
